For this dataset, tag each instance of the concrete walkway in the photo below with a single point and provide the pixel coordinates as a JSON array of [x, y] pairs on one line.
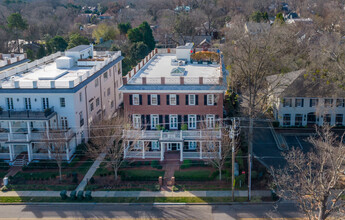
[[240, 193], [90, 172]]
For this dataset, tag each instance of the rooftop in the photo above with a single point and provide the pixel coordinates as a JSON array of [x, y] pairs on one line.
[[162, 65], [79, 48]]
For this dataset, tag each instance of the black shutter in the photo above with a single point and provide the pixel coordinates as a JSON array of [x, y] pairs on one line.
[[198, 122], [196, 99], [168, 103], [179, 120], [142, 121], [177, 99], [167, 122], [148, 123], [302, 102], [185, 119], [140, 99], [186, 99], [130, 99], [160, 119], [149, 99], [159, 99], [216, 99], [205, 99]]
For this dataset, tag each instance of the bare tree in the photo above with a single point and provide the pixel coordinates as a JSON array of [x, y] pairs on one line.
[[106, 137], [251, 59], [311, 178], [57, 147]]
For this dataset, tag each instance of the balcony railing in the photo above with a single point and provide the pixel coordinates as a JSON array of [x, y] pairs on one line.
[[27, 114], [173, 135]]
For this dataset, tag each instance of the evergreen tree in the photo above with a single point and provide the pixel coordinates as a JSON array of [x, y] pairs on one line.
[[148, 38], [124, 27], [41, 52], [16, 24], [57, 43], [30, 54], [76, 40]]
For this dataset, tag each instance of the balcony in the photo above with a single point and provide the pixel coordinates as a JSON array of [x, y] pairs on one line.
[[172, 135], [27, 114]]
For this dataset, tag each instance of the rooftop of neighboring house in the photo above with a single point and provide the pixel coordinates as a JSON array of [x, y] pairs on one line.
[[60, 70], [10, 60], [255, 28], [300, 84]]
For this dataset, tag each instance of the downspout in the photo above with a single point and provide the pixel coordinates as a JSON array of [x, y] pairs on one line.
[[87, 114]]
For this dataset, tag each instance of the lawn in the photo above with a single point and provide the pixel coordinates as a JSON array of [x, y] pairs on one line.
[[2, 174], [141, 175], [194, 175], [131, 200]]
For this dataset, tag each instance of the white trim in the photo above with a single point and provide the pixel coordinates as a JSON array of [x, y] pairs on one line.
[[190, 119], [170, 124], [189, 98], [152, 117], [170, 97], [173, 91], [136, 121], [136, 96], [212, 101], [156, 99]]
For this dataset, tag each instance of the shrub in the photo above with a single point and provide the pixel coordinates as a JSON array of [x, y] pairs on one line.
[[140, 175], [157, 187], [80, 195], [225, 174], [92, 180], [186, 164], [201, 175], [175, 189], [73, 195], [63, 194], [275, 124], [154, 163], [241, 178], [75, 179], [88, 195], [254, 174], [159, 167]]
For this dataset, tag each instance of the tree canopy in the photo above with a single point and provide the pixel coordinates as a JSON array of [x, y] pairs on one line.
[[124, 27], [104, 32], [16, 22], [56, 44], [76, 40], [142, 33]]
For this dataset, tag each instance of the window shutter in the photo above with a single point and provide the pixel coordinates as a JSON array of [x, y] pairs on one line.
[[130, 99], [149, 99], [185, 119], [196, 99], [160, 119], [198, 122], [302, 102], [142, 121], [216, 98], [168, 101], [140, 99], [159, 99], [186, 99], [167, 122], [148, 122], [205, 99], [177, 99], [179, 120]]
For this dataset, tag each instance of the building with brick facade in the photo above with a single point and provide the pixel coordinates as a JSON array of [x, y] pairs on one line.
[[175, 104]]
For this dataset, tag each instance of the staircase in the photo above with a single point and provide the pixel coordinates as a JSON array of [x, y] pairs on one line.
[[20, 160]]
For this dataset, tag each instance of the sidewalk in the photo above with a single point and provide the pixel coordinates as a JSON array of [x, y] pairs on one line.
[[241, 193]]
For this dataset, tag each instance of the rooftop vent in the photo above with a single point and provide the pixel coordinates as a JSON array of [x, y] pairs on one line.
[[179, 71]]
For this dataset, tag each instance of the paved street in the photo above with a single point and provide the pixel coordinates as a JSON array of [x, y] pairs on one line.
[[116, 211]]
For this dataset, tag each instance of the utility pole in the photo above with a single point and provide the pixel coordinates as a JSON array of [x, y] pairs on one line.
[[234, 132]]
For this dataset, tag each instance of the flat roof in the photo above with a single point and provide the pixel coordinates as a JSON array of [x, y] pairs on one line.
[[160, 66], [78, 48]]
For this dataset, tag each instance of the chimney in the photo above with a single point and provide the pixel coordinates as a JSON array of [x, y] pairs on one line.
[[34, 84], [52, 84], [16, 84], [201, 79], [220, 80], [12, 54], [156, 50], [144, 80], [9, 61], [181, 80], [18, 59], [162, 80], [0, 56], [124, 80]]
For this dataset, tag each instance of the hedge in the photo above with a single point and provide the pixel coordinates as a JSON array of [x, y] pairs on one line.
[[140, 175], [195, 175]]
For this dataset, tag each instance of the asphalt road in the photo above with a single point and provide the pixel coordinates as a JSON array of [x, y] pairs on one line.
[[116, 211]]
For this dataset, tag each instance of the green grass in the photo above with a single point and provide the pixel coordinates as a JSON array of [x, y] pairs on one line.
[[40, 187], [2, 174], [129, 200], [138, 175], [193, 175]]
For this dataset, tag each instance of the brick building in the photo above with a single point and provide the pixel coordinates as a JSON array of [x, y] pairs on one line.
[[175, 104]]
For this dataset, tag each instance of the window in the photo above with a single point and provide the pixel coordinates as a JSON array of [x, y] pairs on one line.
[[108, 92], [191, 121], [154, 145], [105, 75], [136, 100], [81, 119], [9, 102], [91, 106], [96, 82], [299, 102], [192, 145], [286, 119], [287, 102], [62, 102], [154, 100], [314, 102], [172, 100], [210, 121], [45, 103], [112, 104], [136, 121], [80, 97], [138, 145], [191, 100], [97, 102], [298, 119], [327, 119], [340, 103], [64, 123], [154, 121], [27, 102], [210, 99], [173, 121], [339, 119], [329, 103]]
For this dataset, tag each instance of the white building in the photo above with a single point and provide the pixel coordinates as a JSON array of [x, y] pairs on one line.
[[301, 100], [61, 91]]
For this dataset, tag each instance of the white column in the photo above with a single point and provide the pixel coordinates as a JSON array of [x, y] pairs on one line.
[[28, 126], [200, 150], [29, 152], [67, 152], [181, 151], [11, 152], [162, 151], [49, 154], [47, 129], [143, 149], [10, 126]]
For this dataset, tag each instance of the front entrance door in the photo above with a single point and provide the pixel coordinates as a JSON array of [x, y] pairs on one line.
[[173, 146]]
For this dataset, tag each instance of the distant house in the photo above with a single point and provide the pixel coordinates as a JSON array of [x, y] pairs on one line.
[[195, 39], [256, 28], [106, 16], [301, 100], [205, 44], [103, 46], [182, 8]]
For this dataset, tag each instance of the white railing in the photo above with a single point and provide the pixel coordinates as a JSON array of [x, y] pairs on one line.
[[134, 154], [191, 155], [153, 80], [40, 156], [170, 135], [210, 154], [152, 154], [3, 136], [18, 137], [151, 134], [4, 155], [173, 80], [191, 80]]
